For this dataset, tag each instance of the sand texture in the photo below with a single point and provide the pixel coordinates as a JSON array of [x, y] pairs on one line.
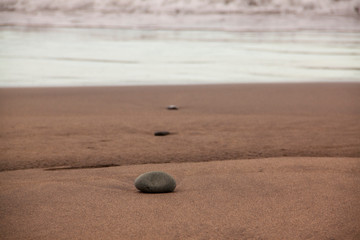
[[93, 126], [275, 198], [266, 161]]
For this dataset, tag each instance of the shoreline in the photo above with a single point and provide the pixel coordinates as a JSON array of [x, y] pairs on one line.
[[354, 82], [129, 57]]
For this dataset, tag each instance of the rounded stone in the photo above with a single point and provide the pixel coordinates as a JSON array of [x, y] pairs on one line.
[[172, 107], [161, 133], [155, 182]]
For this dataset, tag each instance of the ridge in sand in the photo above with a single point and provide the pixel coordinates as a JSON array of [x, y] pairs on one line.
[[275, 198]]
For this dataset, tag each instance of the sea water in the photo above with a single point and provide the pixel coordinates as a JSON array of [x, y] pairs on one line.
[[92, 43]]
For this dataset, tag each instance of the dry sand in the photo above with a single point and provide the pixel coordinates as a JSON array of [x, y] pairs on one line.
[[274, 198], [276, 161]]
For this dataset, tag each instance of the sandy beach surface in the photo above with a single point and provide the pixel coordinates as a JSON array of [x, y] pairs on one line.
[[251, 161]]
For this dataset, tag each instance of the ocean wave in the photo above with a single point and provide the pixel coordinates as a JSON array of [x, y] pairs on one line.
[[339, 7]]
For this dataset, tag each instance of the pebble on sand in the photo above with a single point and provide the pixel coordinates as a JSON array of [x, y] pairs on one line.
[[155, 182], [172, 107], [161, 133]]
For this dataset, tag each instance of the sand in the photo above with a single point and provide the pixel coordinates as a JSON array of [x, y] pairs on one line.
[[274, 198], [266, 161], [47, 127]]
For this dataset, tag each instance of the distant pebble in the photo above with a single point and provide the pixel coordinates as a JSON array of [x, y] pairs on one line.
[[162, 133], [155, 182], [172, 107]]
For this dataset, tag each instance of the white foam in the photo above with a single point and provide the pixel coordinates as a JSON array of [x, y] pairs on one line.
[[234, 15], [183, 6]]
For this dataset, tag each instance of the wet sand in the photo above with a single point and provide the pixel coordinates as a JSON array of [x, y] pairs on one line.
[[275, 161], [48, 127]]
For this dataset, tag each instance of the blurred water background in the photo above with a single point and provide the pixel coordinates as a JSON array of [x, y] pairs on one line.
[[140, 42]]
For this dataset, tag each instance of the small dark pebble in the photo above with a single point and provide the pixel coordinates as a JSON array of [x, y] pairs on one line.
[[162, 133], [172, 107]]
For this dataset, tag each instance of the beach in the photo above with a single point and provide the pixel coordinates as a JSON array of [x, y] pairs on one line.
[[274, 198], [51, 127], [251, 161]]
